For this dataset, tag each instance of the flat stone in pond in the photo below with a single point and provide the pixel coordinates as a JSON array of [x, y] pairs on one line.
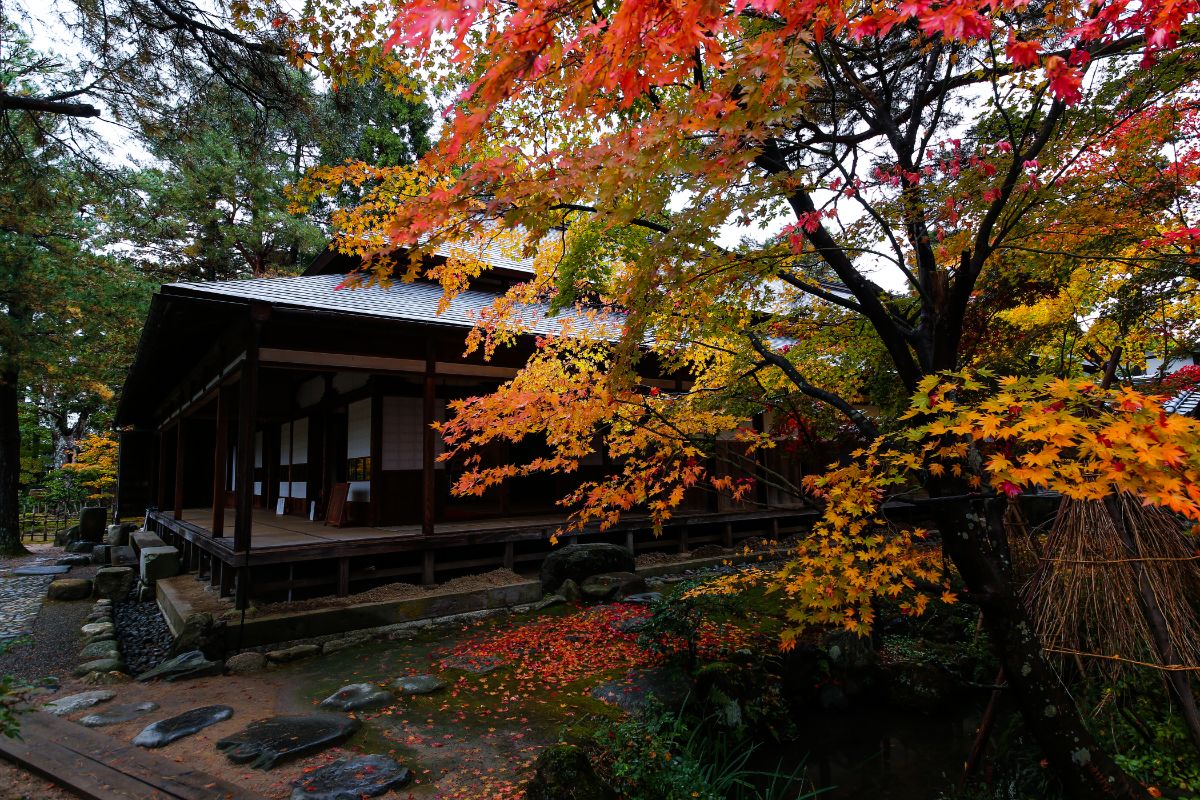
[[77, 702], [268, 741], [167, 730], [44, 570], [645, 598], [115, 715], [353, 778], [357, 696], [418, 684], [476, 666], [191, 664]]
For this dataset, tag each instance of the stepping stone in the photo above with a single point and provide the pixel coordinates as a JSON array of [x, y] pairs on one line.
[[117, 714], [54, 570], [418, 684], [77, 702], [69, 589], [353, 778], [167, 730], [267, 742], [74, 560], [357, 696], [191, 664]]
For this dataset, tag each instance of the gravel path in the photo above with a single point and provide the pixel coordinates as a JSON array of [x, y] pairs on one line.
[[46, 639]]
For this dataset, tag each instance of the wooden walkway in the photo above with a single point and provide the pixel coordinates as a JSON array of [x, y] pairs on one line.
[[99, 767]]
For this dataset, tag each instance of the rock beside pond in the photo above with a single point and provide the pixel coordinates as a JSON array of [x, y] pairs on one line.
[[74, 560], [580, 561], [639, 687], [418, 684], [243, 663], [117, 714], [293, 653], [352, 779], [569, 591], [165, 731], [77, 702], [357, 696], [564, 772], [612, 586], [69, 589], [80, 547], [192, 664], [265, 743]]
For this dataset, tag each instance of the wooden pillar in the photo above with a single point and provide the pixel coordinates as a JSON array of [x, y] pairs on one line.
[[429, 443], [179, 455], [247, 413], [510, 556], [161, 497], [683, 537], [629, 543], [343, 584], [220, 460], [727, 535]]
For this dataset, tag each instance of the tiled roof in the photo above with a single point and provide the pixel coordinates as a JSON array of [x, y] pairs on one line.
[[414, 302], [1186, 402]]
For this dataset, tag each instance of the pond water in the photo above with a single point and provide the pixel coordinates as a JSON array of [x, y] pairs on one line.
[[886, 754]]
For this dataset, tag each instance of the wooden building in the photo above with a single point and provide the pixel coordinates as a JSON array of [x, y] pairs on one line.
[[256, 410]]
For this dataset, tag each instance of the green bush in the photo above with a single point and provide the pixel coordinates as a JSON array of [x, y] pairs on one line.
[[671, 757]]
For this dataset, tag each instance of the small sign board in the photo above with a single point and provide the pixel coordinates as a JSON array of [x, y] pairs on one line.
[[335, 514]]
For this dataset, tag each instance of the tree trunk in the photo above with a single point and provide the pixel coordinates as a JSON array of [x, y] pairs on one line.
[[970, 531], [10, 462]]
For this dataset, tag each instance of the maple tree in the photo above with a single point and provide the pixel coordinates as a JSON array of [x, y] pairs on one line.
[[966, 148]]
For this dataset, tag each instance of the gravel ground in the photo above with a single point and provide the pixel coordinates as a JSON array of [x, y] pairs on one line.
[[143, 633]]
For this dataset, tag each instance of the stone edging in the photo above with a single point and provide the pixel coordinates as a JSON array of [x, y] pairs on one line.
[[100, 659]]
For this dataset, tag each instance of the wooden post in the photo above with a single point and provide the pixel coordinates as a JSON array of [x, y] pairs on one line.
[[509, 555], [427, 567], [220, 459], [247, 411], [179, 468], [727, 535], [683, 537], [429, 443], [629, 544], [343, 584]]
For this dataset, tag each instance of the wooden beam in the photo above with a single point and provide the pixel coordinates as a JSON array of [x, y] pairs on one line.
[[220, 461], [429, 443]]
